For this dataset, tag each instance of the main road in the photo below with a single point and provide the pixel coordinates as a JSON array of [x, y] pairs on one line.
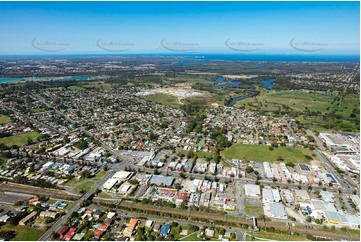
[[58, 224]]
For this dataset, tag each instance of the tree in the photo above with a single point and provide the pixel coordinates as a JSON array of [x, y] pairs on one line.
[[249, 169]]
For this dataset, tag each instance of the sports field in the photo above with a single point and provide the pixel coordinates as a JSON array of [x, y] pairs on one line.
[[20, 139], [262, 153]]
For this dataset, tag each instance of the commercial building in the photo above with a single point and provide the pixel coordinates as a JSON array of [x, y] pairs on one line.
[[252, 190], [161, 180]]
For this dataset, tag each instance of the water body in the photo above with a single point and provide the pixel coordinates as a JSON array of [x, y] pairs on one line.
[[71, 78], [228, 84], [268, 83]]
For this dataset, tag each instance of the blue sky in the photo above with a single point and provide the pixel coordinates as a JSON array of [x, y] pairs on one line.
[[165, 27]]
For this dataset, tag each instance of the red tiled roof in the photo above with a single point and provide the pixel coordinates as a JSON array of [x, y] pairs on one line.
[[70, 233]]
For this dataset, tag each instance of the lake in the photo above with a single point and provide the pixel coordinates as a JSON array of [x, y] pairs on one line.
[[268, 83]]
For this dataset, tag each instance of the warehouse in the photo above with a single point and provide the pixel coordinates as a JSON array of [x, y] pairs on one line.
[[161, 180], [252, 190]]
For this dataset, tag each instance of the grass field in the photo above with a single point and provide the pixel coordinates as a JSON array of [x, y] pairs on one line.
[[23, 233], [74, 181], [104, 195], [279, 236], [76, 88], [20, 139], [100, 174], [85, 186], [200, 154], [262, 153], [4, 119], [165, 99], [254, 211], [37, 110], [297, 101]]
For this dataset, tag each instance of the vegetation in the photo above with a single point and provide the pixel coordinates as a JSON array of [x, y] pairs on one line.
[[262, 153], [317, 111], [20, 139], [23, 233], [4, 119], [254, 211], [76, 88], [84, 187], [165, 99]]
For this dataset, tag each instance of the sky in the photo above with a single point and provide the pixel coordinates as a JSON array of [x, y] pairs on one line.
[[179, 27]]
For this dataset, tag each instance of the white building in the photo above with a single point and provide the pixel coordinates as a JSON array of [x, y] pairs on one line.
[[252, 190]]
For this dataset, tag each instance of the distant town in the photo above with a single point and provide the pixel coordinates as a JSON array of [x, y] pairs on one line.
[[174, 148]]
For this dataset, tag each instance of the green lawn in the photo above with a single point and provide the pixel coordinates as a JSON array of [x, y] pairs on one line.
[[23, 233], [76, 88], [104, 195], [253, 211], [38, 110], [191, 237], [74, 181], [279, 236], [262, 153], [4, 119], [100, 174], [165, 99], [85, 186], [20, 139]]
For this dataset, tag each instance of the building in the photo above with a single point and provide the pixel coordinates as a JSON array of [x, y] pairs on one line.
[[209, 232], [275, 210], [302, 195], [70, 234], [164, 231], [123, 175], [161, 180], [268, 171], [63, 231], [110, 183], [133, 223], [28, 218], [267, 195], [271, 195], [156, 228], [4, 218], [252, 190], [46, 214], [149, 224]]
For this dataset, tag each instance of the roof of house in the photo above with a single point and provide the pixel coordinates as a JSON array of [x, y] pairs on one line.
[[70, 233], [132, 223], [63, 230], [165, 229]]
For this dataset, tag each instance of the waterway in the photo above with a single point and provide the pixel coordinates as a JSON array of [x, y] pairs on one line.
[[52, 78]]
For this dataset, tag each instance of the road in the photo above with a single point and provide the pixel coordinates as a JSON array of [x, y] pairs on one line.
[[58, 224], [330, 168]]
